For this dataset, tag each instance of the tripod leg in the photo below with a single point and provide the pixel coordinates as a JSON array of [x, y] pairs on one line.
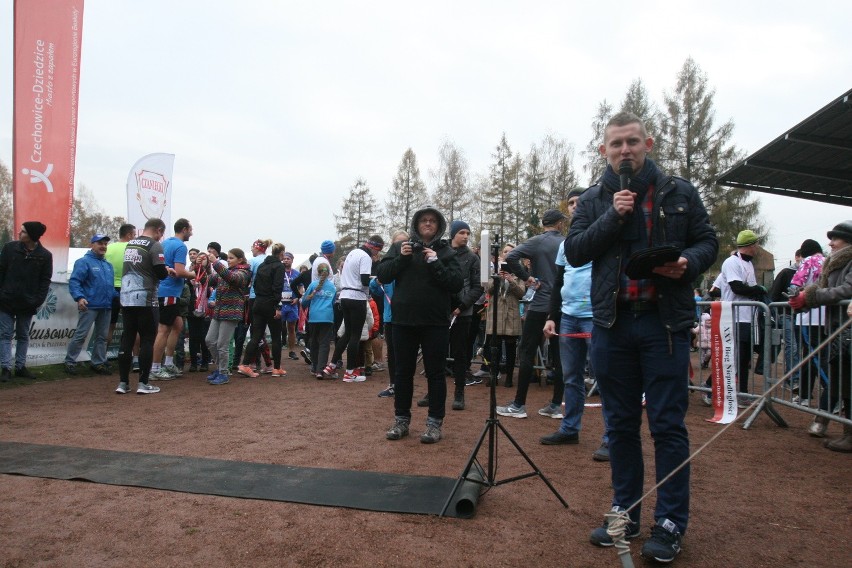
[[468, 466], [532, 465]]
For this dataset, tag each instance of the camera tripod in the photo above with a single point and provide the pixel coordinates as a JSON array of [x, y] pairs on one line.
[[487, 477]]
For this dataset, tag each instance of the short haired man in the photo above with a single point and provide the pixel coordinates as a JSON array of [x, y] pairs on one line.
[[541, 251], [462, 314], [168, 295], [640, 339], [354, 295], [426, 274], [25, 271], [92, 286], [571, 314], [144, 268]]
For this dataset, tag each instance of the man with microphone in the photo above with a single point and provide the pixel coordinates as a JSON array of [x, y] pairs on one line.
[[640, 337]]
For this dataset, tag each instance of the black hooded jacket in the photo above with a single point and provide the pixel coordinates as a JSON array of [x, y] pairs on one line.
[[423, 291]]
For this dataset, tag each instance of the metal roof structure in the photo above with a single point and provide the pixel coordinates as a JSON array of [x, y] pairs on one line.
[[812, 160]]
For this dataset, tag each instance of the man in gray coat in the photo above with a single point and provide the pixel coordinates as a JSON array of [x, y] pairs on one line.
[[541, 251]]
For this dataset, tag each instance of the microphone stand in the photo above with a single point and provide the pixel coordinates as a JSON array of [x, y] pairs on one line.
[[487, 477]]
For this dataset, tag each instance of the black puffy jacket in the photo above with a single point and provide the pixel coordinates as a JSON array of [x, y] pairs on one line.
[[679, 219], [24, 278]]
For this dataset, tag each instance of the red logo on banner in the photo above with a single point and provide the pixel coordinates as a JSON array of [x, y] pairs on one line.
[[152, 192]]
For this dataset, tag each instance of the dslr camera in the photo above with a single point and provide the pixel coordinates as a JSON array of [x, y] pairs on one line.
[[416, 246]]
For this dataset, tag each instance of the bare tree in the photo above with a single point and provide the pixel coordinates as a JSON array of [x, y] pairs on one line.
[[408, 193], [452, 194], [89, 218]]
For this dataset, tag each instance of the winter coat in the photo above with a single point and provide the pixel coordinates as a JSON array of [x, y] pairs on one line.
[[541, 251], [423, 291], [24, 278], [679, 219], [320, 302], [232, 286], [508, 307], [834, 285], [471, 286], [93, 279]]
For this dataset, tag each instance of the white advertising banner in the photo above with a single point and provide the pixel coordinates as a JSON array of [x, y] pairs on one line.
[[723, 352], [149, 190], [52, 328]]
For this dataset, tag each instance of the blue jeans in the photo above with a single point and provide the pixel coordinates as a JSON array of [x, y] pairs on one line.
[[99, 353], [19, 326], [637, 354], [572, 352]]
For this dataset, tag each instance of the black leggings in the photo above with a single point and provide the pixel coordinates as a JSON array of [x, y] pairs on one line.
[[143, 321], [263, 315], [197, 332], [354, 316]]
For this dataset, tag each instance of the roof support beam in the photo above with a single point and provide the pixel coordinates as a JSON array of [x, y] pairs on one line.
[[824, 141], [837, 175]]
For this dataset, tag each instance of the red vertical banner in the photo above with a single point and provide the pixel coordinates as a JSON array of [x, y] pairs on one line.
[[48, 36]]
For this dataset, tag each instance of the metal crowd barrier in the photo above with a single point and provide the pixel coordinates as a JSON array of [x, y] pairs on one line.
[[796, 349]]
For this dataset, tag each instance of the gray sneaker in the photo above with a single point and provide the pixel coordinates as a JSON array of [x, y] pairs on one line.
[[432, 433], [399, 429], [123, 388], [172, 370], [602, 453], [162, 375], [512, 410], [551, 411], [145, 388]]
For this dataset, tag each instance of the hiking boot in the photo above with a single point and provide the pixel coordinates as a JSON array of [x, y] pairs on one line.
[[458, 402], [306, 355], [145, 388], [551, 411], [559, 438], [387, 393], [602, 453], [70, 369], [123, 388], [512, 410], [24, 373], [600, 536], [432, 433], [843, 443], [423, 402], [399, 429], [664, 543], [246, 370]]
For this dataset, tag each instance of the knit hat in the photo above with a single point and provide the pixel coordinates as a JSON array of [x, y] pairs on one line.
[[576, 192], [215, 246], [34, 229], [746, 238], [457, 226], [840, 231], [551, 217], [327, 247]]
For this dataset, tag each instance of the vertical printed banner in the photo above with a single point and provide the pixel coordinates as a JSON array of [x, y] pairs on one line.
[[48, 36], [723, 350], [149, 190]]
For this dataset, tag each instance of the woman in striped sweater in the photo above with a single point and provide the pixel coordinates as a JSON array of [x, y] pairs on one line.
[[232, 285]]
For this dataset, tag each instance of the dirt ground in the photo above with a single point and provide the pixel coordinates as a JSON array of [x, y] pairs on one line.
[[767, 496]]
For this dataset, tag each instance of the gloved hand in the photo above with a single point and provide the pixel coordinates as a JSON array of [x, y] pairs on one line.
[[797, 302]]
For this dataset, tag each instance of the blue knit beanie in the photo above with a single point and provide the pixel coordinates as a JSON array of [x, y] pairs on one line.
[[327, 247], [457, 226]]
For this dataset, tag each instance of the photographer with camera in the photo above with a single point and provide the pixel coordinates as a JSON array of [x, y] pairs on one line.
[[426, 275]]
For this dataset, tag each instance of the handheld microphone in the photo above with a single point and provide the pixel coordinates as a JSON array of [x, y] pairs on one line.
[[624, 172]]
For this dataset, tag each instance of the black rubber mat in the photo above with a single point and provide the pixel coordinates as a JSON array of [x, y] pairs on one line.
[[372, 491]]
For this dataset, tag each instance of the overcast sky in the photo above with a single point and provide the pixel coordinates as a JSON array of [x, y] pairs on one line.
[[273, 109]]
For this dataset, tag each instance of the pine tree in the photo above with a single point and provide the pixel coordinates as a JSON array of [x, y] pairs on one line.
[[407, 195], [535, 195], [697, 150], [636, 100], [559, 164], [595, 163], [499, 198], [452, 195], [359, 217]]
